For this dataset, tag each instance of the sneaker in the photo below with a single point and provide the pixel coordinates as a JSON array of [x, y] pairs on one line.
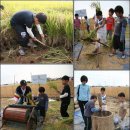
[[32, 45], [21, 52], [123, 56]]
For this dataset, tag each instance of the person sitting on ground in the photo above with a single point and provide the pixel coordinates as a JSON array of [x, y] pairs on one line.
[[22, 22], [65, 97], [42, 104], [101, 31], [83, 93], [77, 24], [22, 94], [119, 32], [102, 99], [110, 22], [89, 110]]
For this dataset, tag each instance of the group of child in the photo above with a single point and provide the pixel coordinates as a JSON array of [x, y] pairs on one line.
[[107, 27], [41, 101], [87, 103]]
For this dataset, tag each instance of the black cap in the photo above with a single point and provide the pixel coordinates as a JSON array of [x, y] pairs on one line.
[[41, 18], [23, 83]]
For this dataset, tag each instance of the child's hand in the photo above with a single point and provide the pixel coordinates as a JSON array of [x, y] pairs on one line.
[[34, 39], [42, 36]]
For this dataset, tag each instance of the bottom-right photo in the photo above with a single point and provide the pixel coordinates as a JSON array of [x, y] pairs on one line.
[[101, 100]]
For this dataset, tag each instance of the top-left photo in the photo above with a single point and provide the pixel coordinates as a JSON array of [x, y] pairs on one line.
[[36, 32]]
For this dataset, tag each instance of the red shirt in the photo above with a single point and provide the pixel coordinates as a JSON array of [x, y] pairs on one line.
[[110, 23], [77, 23]]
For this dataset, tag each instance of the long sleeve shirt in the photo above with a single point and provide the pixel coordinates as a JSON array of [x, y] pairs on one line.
[[83, 92]]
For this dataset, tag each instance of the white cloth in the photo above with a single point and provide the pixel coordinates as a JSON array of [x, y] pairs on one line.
[[29, 31], [64, 95], [102, 32], [39, 29], [23, 91]]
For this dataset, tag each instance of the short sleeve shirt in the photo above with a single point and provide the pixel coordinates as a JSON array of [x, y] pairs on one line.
[[66, 90], [110, 23]]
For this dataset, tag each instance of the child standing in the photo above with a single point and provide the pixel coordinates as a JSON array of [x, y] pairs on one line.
[[119, 32], [83, 93], [65, 97], [77, 24], [42, 104], [101, 30], [87, 23], [89, 110], [110, 23], [102, 97]]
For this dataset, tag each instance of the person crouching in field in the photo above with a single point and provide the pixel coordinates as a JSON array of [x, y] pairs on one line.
[[89, 110], [65, 97], [77, 24], [102, 99], [23, 93], [83, 93], [22, 22], [42, 104], [110, 22], [119, 32], [101, 30]]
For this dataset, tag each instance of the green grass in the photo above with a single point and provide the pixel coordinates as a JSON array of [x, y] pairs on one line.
[[53, 121]]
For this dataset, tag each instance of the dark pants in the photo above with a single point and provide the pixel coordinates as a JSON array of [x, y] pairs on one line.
[[88, 28], [63, 109], [81, 105], [42, 110], [23, 37], [88, 123], [117, 44]]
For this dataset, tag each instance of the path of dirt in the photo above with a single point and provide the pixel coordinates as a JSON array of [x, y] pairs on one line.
[[105, 61]]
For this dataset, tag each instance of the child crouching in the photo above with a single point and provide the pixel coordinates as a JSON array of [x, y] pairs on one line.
[[89, 110]]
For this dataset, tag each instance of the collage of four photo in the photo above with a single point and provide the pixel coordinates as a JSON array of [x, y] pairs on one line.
[[65, 65]]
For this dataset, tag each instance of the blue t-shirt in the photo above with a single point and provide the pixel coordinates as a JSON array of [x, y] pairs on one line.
[[84, 92]]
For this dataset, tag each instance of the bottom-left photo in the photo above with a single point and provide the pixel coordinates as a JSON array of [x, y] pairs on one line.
[[36, 97]]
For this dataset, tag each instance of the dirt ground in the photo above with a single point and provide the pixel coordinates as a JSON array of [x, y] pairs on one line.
[[32, 56], [53, 118], [112, 106], [102, 60]]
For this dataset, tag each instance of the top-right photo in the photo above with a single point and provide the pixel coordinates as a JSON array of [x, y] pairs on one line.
[[101, 35]]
